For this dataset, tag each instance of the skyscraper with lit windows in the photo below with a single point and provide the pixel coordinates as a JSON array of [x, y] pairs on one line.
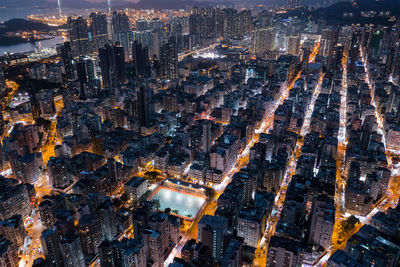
[[169, 59], [98, 30], [293, 3], [112, 64], [3, 86], [79, 36]]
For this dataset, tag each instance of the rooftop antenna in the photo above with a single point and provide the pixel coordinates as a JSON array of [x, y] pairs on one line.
[[59, 7], [109, 7]]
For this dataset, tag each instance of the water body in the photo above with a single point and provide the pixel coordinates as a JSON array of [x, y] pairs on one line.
[[29, 47], [8, 13], [22, 13]]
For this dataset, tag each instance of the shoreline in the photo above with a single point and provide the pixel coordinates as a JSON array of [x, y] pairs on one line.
[[4, 42]]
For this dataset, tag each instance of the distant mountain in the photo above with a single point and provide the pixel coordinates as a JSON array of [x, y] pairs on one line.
[[380, 5], [28, 4], [335, 12], [156, 4], [14, 25]]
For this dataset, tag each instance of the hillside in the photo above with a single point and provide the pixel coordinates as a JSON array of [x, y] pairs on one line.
[[334, 13], [15, 25]]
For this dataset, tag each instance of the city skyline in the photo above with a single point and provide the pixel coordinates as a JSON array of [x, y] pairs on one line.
[[121, 3]]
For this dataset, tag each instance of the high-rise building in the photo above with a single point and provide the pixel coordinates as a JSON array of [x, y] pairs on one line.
[[133, 252], [71, 250], [26, 168], [284, 252], [13, 229], [120, 22], [45, 99], [156, 25], [142, 25], [108, 220], [8, 253], [79, 36], [249, 181], [237, 24], [126, 40], [273, 176], [3, 86], [123, 33], [169, 59], [86, 71], [112, 64], [47, 212], [82, 76], [328, 40], [153, 25], [90, 234], [263, 40], [175, 27], [293, 3], [341, 258], [244, 23], [293, 46], [154, 243], [211, 233], [143, 106], [4, 163], [206, 137], [251, 224], [196, 252], [202, 23], [155, 45], [110, 254], [23, 140], [65, 52], [230, 203], [135, 188], [50, 240], [143, 37], [168, 227], [98, 30], [15, 199], [140, 59], [233, 254], [322, 221], [229, 29]]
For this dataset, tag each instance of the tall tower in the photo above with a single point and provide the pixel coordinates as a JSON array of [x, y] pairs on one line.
[[112, 64], [71, 250], [79, 36], [211, 232], [59, 7], [263, 40], [120, 22], [65, 52], [143, 109], [98, 29], [50, 240], [140, 59], [169, 58], [205, 135], [3, 85]]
